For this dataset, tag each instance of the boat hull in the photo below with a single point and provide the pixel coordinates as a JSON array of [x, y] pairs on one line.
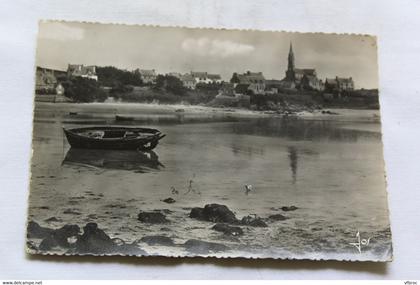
[[149, 142]]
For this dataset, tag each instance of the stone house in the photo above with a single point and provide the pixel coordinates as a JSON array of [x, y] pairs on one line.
[[148, 76], [188, 81], [79, 70], [254, 82], [311, 82], [339, 84], [206, 78]]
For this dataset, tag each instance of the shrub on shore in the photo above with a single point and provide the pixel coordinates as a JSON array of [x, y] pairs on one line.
[[83, 90]]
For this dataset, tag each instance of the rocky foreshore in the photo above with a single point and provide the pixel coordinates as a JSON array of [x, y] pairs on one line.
[[92, 240]]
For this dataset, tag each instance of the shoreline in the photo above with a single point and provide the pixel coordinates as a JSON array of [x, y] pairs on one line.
[[369, 115]]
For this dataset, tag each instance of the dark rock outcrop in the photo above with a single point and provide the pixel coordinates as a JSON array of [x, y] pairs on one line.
[[228, 230], [60, 237], [253, 222], [197, 213], [289, 208], [130, 249], [204, 247], [94, 241], [277, 217], [215, 213], [157, 240], [34, 230], [169, 200], [152, 218]]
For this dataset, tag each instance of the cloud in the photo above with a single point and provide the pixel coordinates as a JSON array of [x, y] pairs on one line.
[[60, 32], [216, 48]]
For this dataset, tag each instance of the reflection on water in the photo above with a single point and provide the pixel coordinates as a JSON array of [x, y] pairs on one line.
[[331, 170], [293, 156], [301, 130], [114, 159]]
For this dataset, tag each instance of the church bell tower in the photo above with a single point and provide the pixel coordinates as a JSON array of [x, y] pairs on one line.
[[290, 72]]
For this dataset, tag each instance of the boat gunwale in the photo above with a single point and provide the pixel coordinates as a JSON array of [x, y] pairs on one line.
[[153, 133]]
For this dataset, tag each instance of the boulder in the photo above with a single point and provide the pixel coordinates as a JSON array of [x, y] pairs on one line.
[[277, 217], [228, 230], [197, 213], [204, 247], [289, 208], [215, 213], [94, 241], [253, 222], [60, 237], [130, 249], [169, 200], [152, 218], [157, 240], [34, 230]]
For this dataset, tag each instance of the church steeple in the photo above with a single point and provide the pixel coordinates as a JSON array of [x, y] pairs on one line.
[[291, 59], [290, 72]]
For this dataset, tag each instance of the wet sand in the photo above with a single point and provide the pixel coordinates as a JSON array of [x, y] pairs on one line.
[[330, 167]]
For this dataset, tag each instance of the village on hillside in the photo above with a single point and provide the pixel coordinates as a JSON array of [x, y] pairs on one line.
[[299, 88]]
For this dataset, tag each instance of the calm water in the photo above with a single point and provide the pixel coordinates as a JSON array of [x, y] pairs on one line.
[[332, 169]]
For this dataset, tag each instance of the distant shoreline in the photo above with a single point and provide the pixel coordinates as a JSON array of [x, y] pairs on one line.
[[325, 114]]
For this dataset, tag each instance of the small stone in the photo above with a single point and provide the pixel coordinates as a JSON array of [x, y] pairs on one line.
[[204, 247], [169, 201], [290, 208], [157, 240], [253, 222], [152, 218], [228, 230], [277, 217]]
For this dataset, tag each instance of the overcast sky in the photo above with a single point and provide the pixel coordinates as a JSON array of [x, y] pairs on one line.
[[214, 51]]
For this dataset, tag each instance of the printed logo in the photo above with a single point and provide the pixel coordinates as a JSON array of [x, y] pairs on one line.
[[360, 242]]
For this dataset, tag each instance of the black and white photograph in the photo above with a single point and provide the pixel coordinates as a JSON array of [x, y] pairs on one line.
[[185, 142]]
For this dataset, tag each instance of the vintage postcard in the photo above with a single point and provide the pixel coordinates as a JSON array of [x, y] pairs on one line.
[[180, 142]]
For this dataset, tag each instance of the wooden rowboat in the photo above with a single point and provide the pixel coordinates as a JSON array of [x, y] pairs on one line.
[[120, 138]]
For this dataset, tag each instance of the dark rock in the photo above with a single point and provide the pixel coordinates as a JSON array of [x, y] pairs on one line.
[[215, 213], [277, 217], [94, 241], [152, 218], [204, 247], [253, 222], [130, 249], [228, 230], [197, 213], [71, 212], [34, 230], [218, 214], [59, 237], [157, 240], [31, 246], [290, 208], [44, 208], [169, 200], [165, 229]]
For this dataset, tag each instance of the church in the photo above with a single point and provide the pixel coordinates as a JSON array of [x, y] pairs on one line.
[[298, 78]]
